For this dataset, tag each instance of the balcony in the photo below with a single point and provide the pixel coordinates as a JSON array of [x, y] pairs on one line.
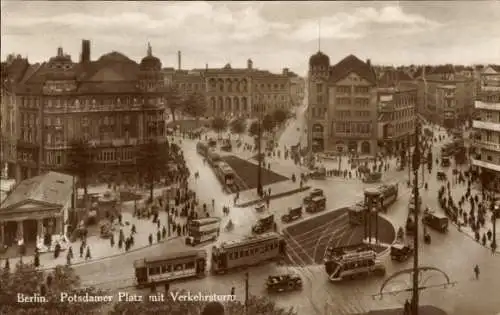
[[487, 125], [487, 145], [487, 165]]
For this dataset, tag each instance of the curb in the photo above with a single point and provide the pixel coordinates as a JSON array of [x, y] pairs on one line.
[[496, 252], [110, 256], [276, 196]]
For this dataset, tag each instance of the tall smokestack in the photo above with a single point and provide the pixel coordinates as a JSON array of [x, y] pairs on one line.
[[85, 55], [179, 60]]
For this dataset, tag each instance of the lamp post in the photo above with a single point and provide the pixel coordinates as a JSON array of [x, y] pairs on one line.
[[494, 216], [259, 151], [416, 159]]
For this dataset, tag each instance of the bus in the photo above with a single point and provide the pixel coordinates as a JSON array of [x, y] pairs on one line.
[[350, 264], [225, 173], [248, 251], [202, 148], [203, 230], [169, 267]]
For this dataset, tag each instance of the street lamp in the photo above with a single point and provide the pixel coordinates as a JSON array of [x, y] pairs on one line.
[[494, 216], [260, 191], [416, 161]]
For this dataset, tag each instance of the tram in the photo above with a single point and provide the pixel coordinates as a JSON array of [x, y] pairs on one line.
[[203, 230], [349, 264], [169, 267], [388, 195], [225, 173], [248, 251]]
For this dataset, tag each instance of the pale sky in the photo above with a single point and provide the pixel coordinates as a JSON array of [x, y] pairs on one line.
[[273, 34]]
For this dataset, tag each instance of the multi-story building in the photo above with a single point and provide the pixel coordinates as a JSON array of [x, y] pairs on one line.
[[487, 131], [14, 72], [342, 111], [490, 76], [297, 87], [397, 114], [445, 97], [113, 103], [232, 92]]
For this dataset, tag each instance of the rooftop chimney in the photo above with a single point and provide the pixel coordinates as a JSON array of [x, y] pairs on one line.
[[368, 62], [206, 67], [285, 71], [249, 64], [85, 55], [179, 60], [59, 52]]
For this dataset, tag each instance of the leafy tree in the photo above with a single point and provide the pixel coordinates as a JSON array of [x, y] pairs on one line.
[[81, 162], [152, 159], [27, 280], [195, 105], [238, 126], [219, 124], [173, 100], [257, 306], [280, 116], [253, 131], [268, 123]]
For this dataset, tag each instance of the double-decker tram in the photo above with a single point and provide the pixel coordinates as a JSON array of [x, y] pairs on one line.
[[202, 148], [203, 230], [247, 252], [225, 174], [169, 267], [349, 263], [213, 158]]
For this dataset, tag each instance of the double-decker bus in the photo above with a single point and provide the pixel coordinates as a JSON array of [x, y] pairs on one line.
[[203, 230], [388, 195], [202, 148], [225, 173], [248, 251], [170, 266], [348, 263]]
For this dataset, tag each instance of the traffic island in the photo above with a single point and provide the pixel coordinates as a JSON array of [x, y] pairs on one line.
[[307, 240], [253, 199]]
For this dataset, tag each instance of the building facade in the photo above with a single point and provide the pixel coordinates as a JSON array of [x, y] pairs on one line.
[[38, 207], [447, 98], [113, 103], [232, 92], [397, 116], [342, 111], [487, 130], [297, 89]]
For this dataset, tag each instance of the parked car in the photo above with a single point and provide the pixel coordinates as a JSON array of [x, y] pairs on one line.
[[282, 283]]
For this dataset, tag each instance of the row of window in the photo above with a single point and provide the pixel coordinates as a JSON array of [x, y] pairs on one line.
[[355, 113], [29, 119], [410, 112], [353, 127], [406, 125], [358, 101], [257, 250], [93, 103], [489, 136], [228, 85], [170, 268], [358, 264], [319, 112], [29, 135], [491, 98], [106, 120], [405, 100]]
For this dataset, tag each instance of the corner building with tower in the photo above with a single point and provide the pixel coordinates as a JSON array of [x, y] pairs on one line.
[[342, 112]]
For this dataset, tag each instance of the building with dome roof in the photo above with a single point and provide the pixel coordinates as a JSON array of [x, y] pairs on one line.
[[113, 102], [342, 112]]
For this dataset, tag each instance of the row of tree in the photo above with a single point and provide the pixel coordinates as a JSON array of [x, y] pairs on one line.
[[27, 280], [238, 126]]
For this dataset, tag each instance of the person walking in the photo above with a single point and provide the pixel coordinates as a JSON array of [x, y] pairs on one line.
[[476, 272]]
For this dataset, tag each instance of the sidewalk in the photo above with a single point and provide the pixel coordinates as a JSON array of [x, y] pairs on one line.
[[101, 248], [422, 310]]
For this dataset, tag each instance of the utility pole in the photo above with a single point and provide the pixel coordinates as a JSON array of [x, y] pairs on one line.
[[416, 163], [246, 292], [259, 152]]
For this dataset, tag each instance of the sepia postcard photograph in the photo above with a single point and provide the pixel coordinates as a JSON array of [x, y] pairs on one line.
[[250, 158]]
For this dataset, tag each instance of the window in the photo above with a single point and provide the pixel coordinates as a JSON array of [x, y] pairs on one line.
[[319, 88], [343, 89], [126, 119], [489, 136], [319, 99]]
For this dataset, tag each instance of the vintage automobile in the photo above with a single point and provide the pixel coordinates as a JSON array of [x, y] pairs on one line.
[[260, 208], [314, 193], [212, 142], [445, 162], [106, 230], [401, 252], [436, 221], [441, 176], [374, 177], [264, 224], [316, 204], [292, 214], [282, 283], [318, 173]]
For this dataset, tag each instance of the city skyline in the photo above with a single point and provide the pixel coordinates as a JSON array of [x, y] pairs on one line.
[[273, 35]]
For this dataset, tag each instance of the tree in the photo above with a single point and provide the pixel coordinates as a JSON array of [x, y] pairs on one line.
[[27, 280], [195, 105], [280, 116], [172, 306], [268, 123], [173, 100], [238, 126], [253, 131], [81, 162], [219, 124], [152, 159]]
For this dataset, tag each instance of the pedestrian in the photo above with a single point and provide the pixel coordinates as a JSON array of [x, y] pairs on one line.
[[476, 272], [70, 252], [132, 230], [150, 238], [37, 259], [81, 250], [158, 224], [164, 232], [88, 255], [112, 240], [158, 236], [68, 259]]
